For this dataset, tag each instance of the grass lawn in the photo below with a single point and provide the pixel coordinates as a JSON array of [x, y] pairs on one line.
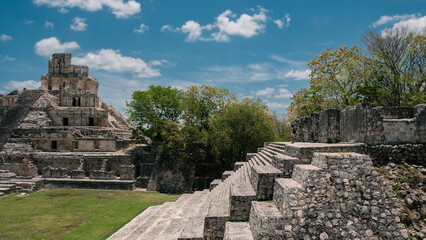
[[72, 214]]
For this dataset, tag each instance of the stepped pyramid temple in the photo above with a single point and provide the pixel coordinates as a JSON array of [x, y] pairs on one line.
[[63, 135], [324, 186]]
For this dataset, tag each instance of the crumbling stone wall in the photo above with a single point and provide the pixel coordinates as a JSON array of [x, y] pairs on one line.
[[366, 124], [345, 199]]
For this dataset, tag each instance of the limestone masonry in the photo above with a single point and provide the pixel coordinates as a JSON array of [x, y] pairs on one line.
[[322, 187], [66, 134]]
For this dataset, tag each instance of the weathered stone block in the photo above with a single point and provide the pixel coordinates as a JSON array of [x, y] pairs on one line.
[[284, 163], [242, 194], [46, 172], [59, 172], [127, 172], [226, 174], [78, 174], [99, 174], [214, 184], [262, 180]]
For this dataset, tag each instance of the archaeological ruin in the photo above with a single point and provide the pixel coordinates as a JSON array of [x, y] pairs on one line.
[[324, 186], [64, 135]]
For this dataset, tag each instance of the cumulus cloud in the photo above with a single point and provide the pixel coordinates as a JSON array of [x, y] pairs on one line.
[[79, 24], [414, 22], [283, 93], [266, 92], [141, 29], [227, 24], [120, 8], [298, 75], [48, 46], [112, 61], [276, 105], [391, 19], [284, 22], [48, 24], [7, 59], [14, 85], [5, 38]]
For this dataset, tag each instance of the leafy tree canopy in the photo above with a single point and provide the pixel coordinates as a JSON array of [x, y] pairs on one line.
[[149, 110]]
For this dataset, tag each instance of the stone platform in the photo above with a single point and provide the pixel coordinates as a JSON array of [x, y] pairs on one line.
[[284, 191], [54, 183]]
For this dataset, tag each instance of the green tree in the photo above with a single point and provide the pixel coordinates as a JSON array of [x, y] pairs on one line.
[[396, 70], [149, 110], [238, 128], [336, 73], [201, 101]]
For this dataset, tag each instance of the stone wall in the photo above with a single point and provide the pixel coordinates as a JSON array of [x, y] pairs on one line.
[[365, 124], [344, 199], [410, 153]]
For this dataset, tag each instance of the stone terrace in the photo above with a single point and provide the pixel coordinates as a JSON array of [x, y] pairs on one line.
[[284, 191]]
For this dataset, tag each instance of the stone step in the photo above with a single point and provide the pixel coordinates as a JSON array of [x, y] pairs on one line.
[[237, 231], [307, 175], [287, 196], [215, 183], [242, 194], [261, 159], [193, 229], [151, 220], [238, 165], [6, 190], [284, 163], [266, 160], [171, 225], [218, 210], [226, 174], [130, 227], [165, 229], [266, 221], [262, 180], [304, 150]]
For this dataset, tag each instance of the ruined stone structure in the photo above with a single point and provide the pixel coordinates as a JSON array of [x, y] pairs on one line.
[[322, 187], [65, 133], [284, 191]]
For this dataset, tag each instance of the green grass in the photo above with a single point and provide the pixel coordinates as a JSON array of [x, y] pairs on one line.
[[72, 214]]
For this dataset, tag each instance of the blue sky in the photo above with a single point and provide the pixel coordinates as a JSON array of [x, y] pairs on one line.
[[254, 48]]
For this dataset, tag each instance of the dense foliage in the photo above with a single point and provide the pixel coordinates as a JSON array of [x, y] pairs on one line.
[[391, 73], [203, 122]]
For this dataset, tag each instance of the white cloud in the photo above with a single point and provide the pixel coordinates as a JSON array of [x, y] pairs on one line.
[[7, 58], [276, 105], [281, 59], [414, 23], [62, 10], [391, 19], [142, 28], [284, 22], [283, 93], [167, 28], [29, 21], [5, 38], [113, 61], [79, 24], [226, 25], [48, 46], [266, 92], [14, 85], [119, 8], [298, 75], [48, 24], [246, 25]]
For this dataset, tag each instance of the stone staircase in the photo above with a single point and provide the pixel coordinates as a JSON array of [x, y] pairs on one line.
[[283, 191], [17, 113]]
